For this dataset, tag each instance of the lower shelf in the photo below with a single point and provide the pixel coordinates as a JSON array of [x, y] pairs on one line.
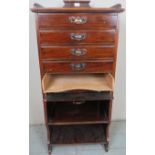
[[79, 120], [77, 134]]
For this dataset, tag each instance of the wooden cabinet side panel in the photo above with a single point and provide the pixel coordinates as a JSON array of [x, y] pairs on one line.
[[116, 47]]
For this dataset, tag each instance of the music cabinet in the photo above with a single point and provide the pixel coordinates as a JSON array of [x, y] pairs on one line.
[[77, 48]]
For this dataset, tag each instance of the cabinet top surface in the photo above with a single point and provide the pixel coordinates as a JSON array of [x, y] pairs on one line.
[[37, 8]]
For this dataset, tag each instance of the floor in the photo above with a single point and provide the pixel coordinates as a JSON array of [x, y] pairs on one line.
[[38, 143]]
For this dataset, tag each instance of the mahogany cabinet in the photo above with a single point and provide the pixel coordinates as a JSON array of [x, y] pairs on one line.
[[77, 48]]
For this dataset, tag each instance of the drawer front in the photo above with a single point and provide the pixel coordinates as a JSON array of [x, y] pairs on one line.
[[76, 52], [81, 36], [77, 96], [79, 20], [78, 67]]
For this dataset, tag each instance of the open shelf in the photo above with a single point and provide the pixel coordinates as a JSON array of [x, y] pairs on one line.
[[78, 134], [92, 112], [79, 120]]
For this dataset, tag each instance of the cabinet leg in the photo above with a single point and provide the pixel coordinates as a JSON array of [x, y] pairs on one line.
[[49, 141], [49, 149], [106, 146]]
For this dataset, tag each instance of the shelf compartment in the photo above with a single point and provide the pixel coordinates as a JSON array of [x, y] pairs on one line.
[[91, 112], [77, 134], [62, 83]]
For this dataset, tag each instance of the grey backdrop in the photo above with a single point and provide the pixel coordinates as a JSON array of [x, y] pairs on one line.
[[119, 104]]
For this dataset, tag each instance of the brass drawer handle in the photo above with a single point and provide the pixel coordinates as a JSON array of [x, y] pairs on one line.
[[78, 66], [78, 37], [79, 100], [78, 20], [78, 52]]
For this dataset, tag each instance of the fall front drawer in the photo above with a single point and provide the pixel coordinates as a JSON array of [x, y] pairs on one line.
[[76, 52], [102, 66], [76, 36], [73, 96], [79, 20]]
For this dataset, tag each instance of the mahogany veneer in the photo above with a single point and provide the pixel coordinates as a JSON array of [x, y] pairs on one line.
[[74, 66], [89, 36], [84, 52], [62, 20], [77, 39]]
